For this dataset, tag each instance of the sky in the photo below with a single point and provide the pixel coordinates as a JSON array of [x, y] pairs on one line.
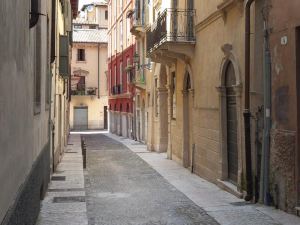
[[82, 2]]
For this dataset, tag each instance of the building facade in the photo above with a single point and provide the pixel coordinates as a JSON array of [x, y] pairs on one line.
[[138, 20], [60, 55], [284, 46], [89, 103], [198, 89], [215, 88], [26, 109], [121, 49]]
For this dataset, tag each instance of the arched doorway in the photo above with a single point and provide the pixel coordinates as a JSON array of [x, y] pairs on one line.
[[120, 120], [186, 121], [114, 119], [143, 120], [127, 121], [231, 122]]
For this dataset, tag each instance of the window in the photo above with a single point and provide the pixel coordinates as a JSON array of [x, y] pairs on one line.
[[76, 26], [48, 74], [37, 69], [138, 104], [121, 34], [121, 74], [121, 6], [148, 100], [64, 55], [115, 74], [80, 54], [115, 34], [173, 85], [128, 73], [128, 32], [106, 15], [93, 27]]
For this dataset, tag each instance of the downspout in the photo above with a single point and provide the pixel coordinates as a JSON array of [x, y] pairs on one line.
[[264, 191], [98, 70], [247, 113]]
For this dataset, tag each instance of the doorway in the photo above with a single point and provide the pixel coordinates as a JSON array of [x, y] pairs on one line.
[[186, 121], [231, 121], [80, 118], [105, 117]]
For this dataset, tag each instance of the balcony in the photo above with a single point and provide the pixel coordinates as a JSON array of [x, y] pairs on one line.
[[137, 27], [116, 89], [172, 35], [81, 90], [140, 81]]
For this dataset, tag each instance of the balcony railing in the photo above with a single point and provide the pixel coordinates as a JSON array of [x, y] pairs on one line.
[[117, 89], [82, 90], [173, 25]]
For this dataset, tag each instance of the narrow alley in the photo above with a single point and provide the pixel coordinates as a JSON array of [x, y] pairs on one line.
[[125, 184], [126, 190]]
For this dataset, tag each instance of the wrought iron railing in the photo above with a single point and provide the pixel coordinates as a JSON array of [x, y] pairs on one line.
[[82, 90], [116, 89], [173, 25]]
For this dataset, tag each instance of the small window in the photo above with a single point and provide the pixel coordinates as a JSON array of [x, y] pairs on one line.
[[106, 15], [93, 26], [77, 26], [81, 55]]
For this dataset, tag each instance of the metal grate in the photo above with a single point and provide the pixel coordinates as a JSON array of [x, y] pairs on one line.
[[69, 199], [66, 189], [240, 203], [58, 178]]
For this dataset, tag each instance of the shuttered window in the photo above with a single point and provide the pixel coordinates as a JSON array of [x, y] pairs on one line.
[[64, 55], [80, 54], [37, 69]]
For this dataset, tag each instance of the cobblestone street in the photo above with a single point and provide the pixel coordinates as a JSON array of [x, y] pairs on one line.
[[123, 189], [124, 184]]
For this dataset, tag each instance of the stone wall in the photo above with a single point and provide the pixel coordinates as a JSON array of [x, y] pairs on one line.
[[282, 170]]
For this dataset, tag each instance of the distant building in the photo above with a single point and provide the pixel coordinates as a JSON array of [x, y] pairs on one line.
[[89, 103], [121, 69]]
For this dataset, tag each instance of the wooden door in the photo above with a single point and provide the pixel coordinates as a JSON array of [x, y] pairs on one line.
[[231, 112], [105, 117]]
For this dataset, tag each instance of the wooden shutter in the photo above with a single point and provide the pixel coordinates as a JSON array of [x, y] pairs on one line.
[[64, 55]]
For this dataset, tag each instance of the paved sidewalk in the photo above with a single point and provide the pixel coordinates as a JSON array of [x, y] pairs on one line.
[[64, 203], [221, 205]]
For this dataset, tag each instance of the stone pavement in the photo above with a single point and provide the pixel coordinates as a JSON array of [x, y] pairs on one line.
[[64, 203], [122, 189], [219, 204]]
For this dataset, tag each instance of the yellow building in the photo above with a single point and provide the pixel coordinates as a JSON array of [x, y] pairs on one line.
[[88, 107], [197, 88], [60, 65]]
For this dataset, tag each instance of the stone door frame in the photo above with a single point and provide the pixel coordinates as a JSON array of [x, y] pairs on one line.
[[229, 58], [187, 131]]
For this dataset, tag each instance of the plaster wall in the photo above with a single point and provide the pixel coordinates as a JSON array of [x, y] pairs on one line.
[[24, 134], [95, 110]]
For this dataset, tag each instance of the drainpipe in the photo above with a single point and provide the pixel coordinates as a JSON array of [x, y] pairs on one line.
[[247, 113], [265, 196], [98, 70]]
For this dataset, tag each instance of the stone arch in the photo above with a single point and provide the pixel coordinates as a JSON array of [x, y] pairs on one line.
[[229, 58], [188, 74], [236, 87]]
